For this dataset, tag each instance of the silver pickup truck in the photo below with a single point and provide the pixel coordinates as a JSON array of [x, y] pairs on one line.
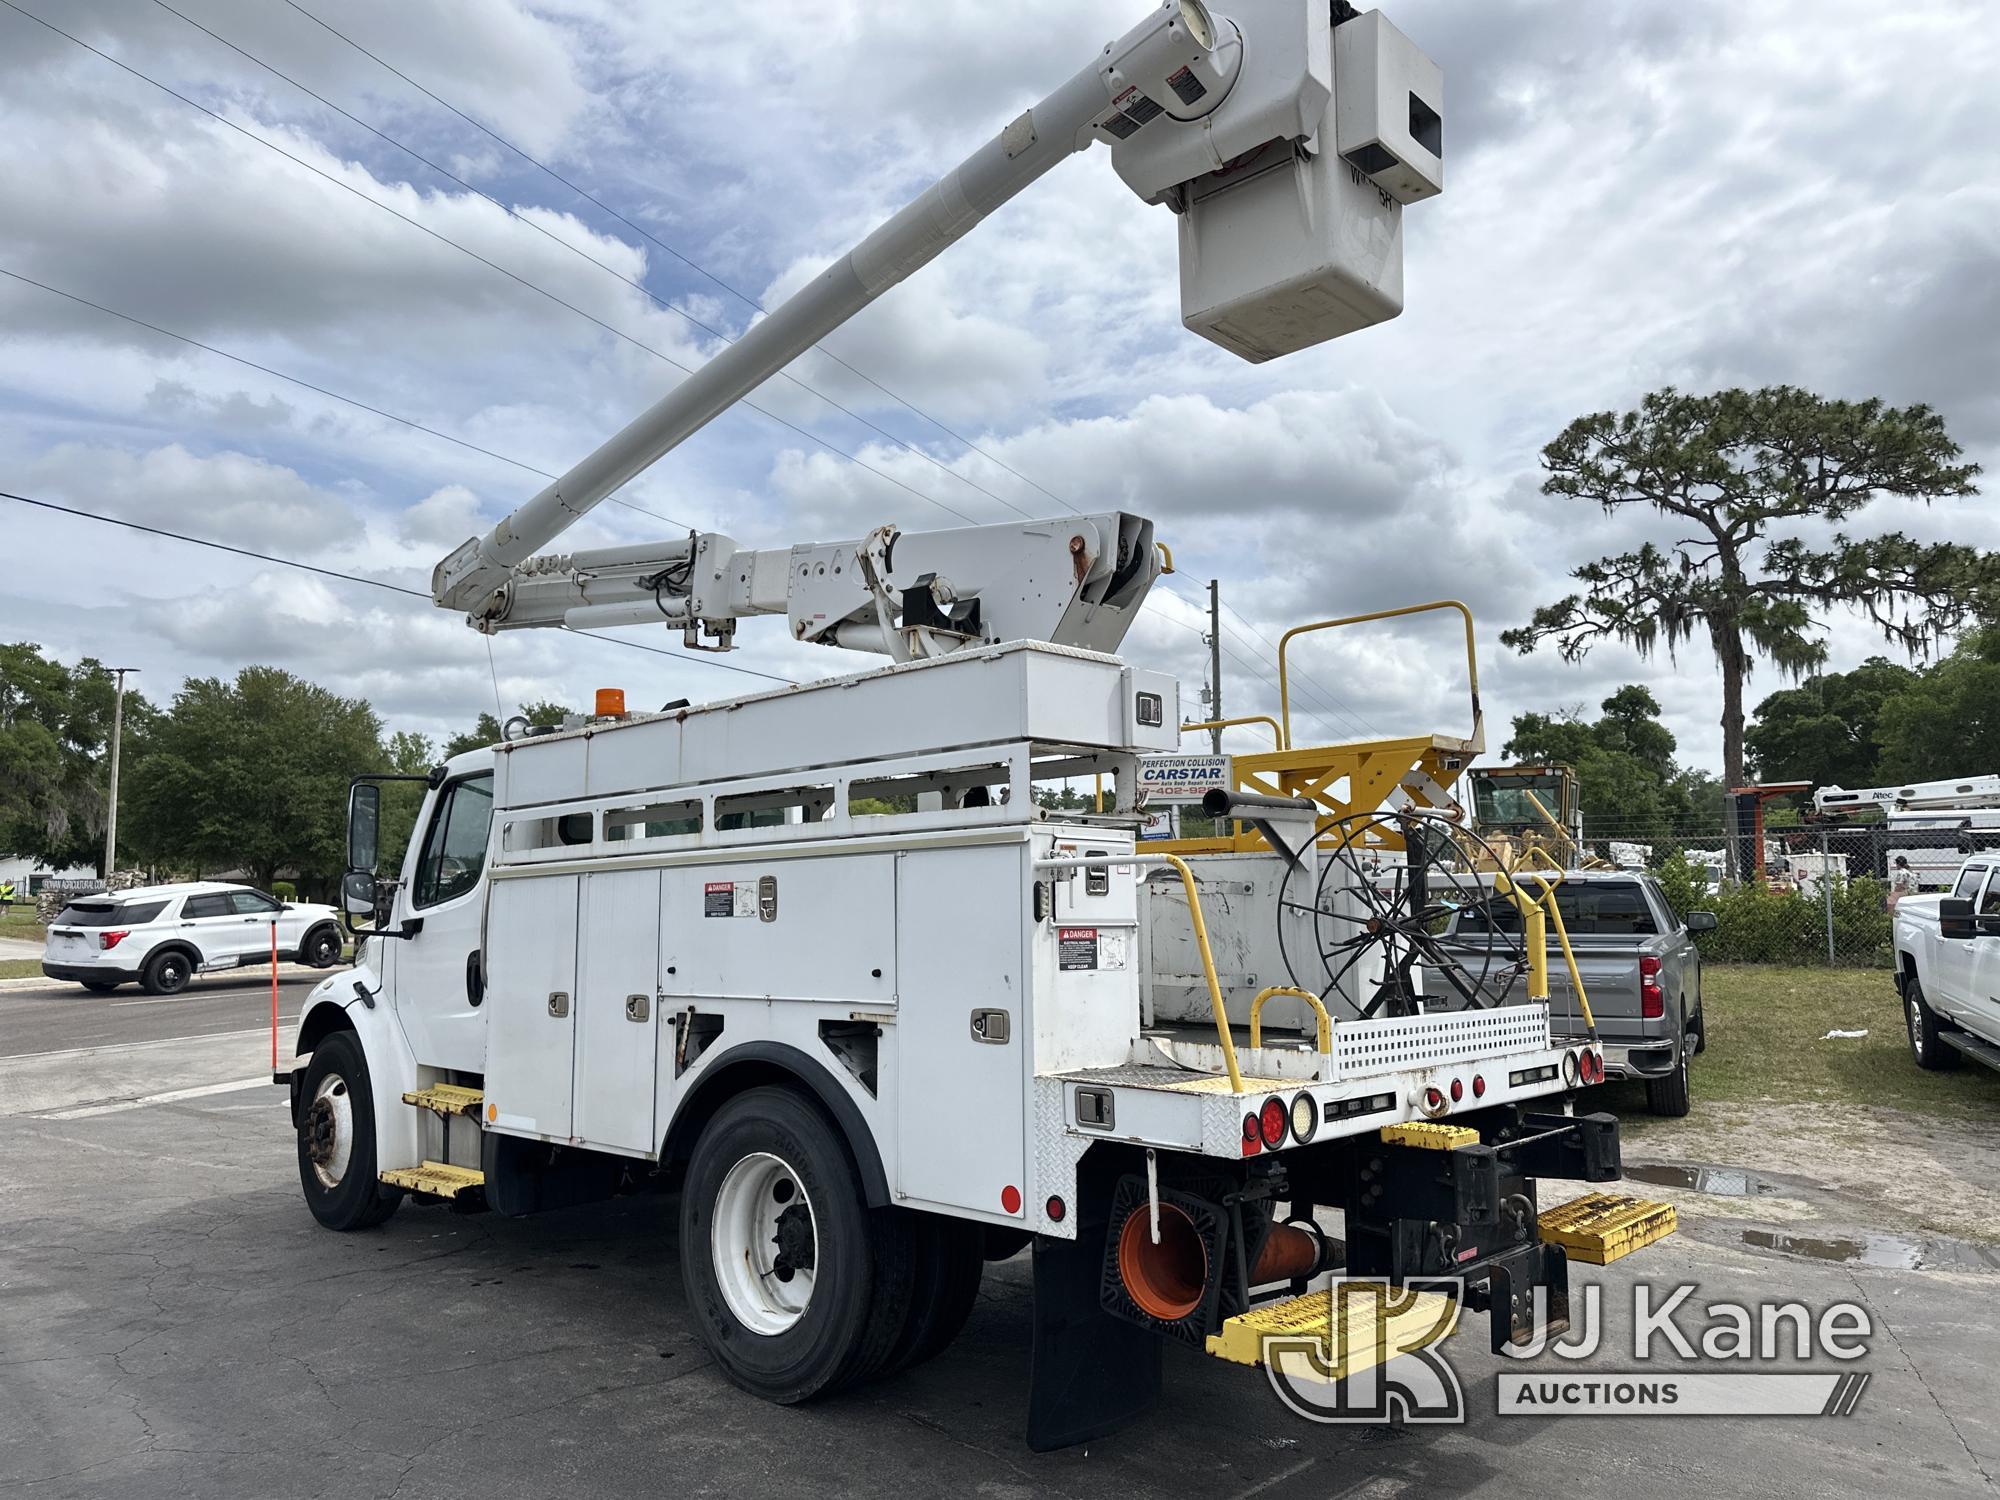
[[1641, 973]]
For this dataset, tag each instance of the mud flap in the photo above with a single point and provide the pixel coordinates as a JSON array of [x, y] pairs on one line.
[[1091, 1373]]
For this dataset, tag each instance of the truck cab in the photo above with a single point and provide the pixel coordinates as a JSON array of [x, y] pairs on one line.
[[1948, 969]]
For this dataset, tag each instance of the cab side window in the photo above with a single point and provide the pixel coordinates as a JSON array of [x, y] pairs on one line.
[[1989, 904], [1968, 882], [254, 904], [455, 843], [208, 904]]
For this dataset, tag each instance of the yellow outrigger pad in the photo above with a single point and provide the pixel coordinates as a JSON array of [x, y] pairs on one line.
[[447, 1099], [438, 1179], [1598, 1228], [1372, 1331], [1430, 1135]]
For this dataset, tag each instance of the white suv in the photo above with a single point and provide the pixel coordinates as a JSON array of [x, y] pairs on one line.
[[163, 935]]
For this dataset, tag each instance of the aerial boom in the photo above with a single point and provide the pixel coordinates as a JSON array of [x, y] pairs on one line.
[[1289, 213]]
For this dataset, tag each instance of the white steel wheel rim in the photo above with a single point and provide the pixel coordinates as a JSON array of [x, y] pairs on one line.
[[763, 1228], [329, 1162]]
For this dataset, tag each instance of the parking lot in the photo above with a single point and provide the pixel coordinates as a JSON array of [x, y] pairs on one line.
[[176, 1323]]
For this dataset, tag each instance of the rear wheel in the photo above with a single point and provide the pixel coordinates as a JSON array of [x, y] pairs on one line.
[[798, 1287], [944, 1283], [1926, 1046], [166, 973], [1669, 1096], [337, 1164]]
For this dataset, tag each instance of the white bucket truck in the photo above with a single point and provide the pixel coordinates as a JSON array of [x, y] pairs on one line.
[[870, 1048]]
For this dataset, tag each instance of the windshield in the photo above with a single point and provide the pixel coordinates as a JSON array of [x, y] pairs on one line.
[[1508, 802]]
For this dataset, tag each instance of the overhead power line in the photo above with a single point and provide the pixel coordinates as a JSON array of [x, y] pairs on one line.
[[362, 578]]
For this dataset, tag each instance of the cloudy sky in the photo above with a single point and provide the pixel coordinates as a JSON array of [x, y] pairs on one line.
[[1702, 194]]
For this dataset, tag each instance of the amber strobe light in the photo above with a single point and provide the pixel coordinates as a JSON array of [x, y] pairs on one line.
[[610, 703]]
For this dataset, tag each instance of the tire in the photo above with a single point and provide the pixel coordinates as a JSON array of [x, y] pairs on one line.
[[166, 973], [944, 1285], [1926, 1046], [101, 986], [321, 947], [1669, 1096], [771, 1185], [336, 1110]]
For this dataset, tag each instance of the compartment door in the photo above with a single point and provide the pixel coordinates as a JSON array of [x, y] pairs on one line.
[[618, 1010], [531, 960], [960, 1100]]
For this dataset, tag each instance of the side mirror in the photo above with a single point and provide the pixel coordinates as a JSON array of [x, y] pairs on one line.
[[1955, 918], [358, 893], [364, 822], [1701, 921]]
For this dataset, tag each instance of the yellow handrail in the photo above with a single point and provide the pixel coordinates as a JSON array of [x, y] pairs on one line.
[[1471, 656], [1562, 936], [1180, 867], [1166, 557], [1276, 733], [1257, 1007]]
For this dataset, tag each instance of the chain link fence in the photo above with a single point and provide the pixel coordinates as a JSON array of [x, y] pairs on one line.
[[1824, 896]]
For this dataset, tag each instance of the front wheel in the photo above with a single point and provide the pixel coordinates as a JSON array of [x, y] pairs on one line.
[[337, 1138], [1926, 1046], [321, 949], [783, 1261]]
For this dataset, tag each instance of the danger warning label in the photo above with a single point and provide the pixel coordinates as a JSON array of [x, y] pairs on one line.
[[726, 898], [1076, 947]]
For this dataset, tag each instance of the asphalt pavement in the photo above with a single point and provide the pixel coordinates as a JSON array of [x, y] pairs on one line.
[[173, 1322]]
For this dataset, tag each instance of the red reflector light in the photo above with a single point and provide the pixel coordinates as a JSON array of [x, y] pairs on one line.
[[1652, 1001], [1271, 1122], [1010, 1199], [111, 939], [1055, 1209], [1479, 1085], [1457, 1091], [1251, 1129], [1649, 966]]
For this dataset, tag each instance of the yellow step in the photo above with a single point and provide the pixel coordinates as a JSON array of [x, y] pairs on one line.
[[1430, 1136], [436, 1178], [448, 1099], [1598, 1228], [1375, 1325]]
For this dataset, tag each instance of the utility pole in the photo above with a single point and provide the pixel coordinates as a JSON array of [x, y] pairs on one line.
[[1214, 663], [111, 810]]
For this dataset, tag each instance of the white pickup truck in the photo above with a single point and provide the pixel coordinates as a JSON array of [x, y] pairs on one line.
[[1948, 968]]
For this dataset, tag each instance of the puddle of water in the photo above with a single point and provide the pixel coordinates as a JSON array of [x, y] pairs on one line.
[[1891, 1251], [1725, 1182]]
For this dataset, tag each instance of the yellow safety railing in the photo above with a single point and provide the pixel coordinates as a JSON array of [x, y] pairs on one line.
[[1257, 1008], [1180, 868], [1537, 911], [1471, 654], [1276, 733]]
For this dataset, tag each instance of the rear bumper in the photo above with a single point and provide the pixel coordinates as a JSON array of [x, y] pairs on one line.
[[1649, 1057], [95, 973]]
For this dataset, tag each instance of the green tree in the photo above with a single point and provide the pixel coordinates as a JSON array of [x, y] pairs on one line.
[[1947, 722], [1624, 761], [1824, 730], [543, 715], [253, 775], [55, 727], [1728, 468]]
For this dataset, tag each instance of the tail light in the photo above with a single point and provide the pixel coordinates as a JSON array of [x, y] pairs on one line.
[[1271, 1122], [1457, 1090], [111, 939], [1652, 999], [1479, 1085]]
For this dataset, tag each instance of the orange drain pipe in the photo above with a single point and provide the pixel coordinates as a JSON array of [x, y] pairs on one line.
[[1167, 1281]]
